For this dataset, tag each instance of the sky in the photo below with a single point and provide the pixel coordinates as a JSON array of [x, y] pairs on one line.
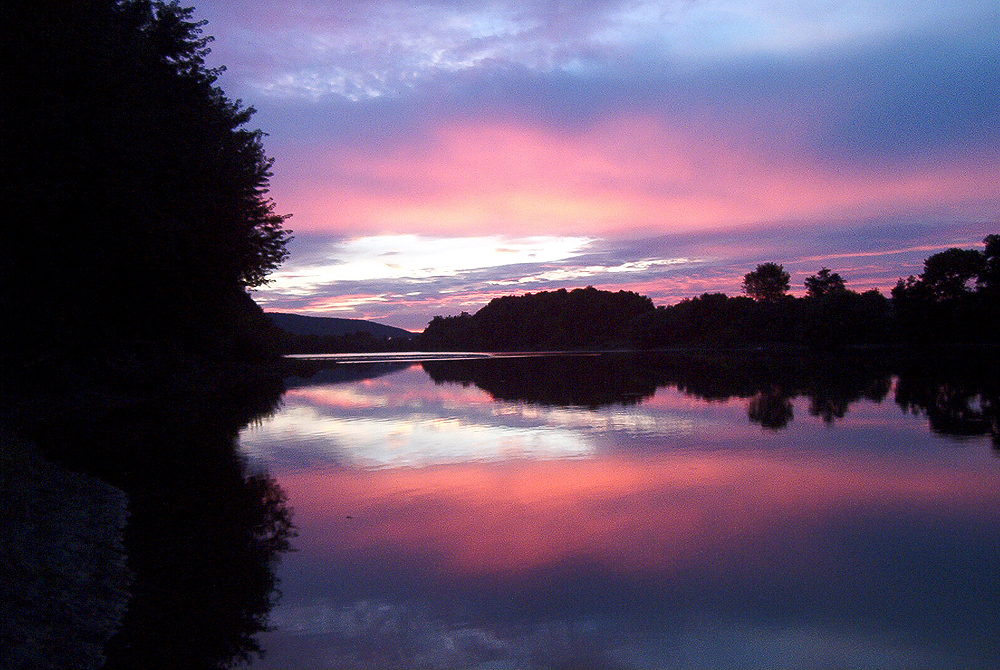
[[435, 155]]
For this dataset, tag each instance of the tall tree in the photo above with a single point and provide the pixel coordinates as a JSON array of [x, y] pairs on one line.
[[989, 273], [824, 283], [948, 274], [138, 197], [767, 283]]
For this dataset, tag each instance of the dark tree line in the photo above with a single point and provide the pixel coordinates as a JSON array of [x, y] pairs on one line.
[[830, 315], [955, 300], [548, 320], [357, 342], [137, 198]]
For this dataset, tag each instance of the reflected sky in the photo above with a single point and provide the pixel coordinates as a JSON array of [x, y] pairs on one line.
[[441, 528]]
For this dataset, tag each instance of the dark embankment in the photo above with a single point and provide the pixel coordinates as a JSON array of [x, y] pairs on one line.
[[299, 334], [140, 222]]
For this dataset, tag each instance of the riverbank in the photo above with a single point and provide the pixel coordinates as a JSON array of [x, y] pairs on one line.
[[65, 572]]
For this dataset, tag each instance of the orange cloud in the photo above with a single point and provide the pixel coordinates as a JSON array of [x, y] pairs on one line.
[[626, 173]]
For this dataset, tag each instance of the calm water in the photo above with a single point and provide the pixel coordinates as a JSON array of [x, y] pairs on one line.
[[628, 512]]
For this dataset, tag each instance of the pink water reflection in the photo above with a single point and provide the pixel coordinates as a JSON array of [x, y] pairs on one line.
[[651, 526], [626, 514]]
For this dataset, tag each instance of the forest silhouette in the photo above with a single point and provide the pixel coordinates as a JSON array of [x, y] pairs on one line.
[[954, 301]]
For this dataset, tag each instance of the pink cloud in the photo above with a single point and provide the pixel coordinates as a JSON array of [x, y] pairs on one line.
[[624, 175]]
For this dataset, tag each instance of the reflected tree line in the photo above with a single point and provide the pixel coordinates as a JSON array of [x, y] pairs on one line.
[[959, 395], [203, 535]]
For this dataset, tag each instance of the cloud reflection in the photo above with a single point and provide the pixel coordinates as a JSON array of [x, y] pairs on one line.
[[404, 421], [418, 440], [629, 515], [666, 533]]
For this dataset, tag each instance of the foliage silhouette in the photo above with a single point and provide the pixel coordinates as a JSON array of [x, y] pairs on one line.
[[948, 274], [989, 274], [204, 532], [140, 197], [824, 283], [768, 282], [712, 318], [954, 300], [838, 318], [941, 307], [556, 320]]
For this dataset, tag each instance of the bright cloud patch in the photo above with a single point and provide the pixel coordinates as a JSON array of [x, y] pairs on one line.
[[418, 260], [574, 273]]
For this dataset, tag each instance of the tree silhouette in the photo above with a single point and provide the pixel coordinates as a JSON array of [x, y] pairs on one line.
[[989, 273], [938, 307], [555, 320], [768, 283], [948, 274], [955, 298], [824, 283], [140, 199]]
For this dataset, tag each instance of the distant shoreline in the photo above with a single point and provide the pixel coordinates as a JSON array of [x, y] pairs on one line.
[[893, 350]]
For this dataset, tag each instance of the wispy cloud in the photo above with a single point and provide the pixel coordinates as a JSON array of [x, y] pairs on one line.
[[418, 259], [437, 154], [362, 49]]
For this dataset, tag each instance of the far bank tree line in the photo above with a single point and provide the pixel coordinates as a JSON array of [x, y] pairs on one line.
[[955, 300]]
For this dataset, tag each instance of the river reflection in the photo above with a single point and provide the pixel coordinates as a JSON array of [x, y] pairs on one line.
[[647, 512], [137, 536]]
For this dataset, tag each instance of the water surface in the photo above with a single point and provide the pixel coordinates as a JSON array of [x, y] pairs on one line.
[[634, 512]]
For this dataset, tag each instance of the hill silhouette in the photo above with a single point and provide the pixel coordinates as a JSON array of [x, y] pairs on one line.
[[297, 324], [297, 334]]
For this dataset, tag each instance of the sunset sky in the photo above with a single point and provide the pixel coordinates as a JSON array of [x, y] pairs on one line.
[[435, 155]]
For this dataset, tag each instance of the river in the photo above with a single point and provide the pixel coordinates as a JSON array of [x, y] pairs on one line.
[[635, 511]]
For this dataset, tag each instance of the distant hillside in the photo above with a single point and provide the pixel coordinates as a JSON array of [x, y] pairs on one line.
[[550, 320], [324, 326]]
